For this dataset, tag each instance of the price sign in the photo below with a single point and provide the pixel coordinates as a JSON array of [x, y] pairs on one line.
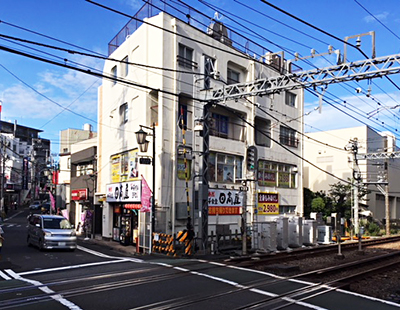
[[268, 203]]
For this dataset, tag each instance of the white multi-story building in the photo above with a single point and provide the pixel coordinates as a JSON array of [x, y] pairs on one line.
[[68, 138], [179, 66], [327, 151]]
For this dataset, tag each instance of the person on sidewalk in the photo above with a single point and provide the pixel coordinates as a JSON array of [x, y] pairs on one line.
[[1, 240]]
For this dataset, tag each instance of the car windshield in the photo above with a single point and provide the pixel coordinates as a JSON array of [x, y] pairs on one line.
[[56, 223]]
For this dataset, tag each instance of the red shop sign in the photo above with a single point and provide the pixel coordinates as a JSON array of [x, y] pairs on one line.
[[79, 194], [133, 206]]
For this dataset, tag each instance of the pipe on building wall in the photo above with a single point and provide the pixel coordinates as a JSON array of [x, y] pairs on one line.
[[173, 157]]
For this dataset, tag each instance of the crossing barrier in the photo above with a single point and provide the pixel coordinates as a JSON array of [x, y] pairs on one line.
[[164, 244]]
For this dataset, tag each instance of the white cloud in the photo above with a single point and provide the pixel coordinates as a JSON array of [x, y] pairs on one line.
[[54, 87], [335, 118], [381, 17]]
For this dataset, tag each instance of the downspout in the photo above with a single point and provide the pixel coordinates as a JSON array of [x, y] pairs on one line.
[[174, 132]]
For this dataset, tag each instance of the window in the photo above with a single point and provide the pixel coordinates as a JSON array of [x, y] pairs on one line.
[[209, 71], [124, 67], [263, 132], [224, 168], [219, 125], [123, 112], [290, 99], [288, 136], [185, 57], [273, 174], [287, 209], [114, 74], [233, 76]]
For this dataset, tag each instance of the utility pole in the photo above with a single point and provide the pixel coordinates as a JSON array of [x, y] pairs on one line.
[[352, 147]]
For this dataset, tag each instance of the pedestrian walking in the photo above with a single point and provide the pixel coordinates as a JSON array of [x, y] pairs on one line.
[[1, 240]]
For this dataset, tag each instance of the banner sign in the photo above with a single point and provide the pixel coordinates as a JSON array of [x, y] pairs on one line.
[[146, 196], [224, 202], [268, 203], [124, 192]]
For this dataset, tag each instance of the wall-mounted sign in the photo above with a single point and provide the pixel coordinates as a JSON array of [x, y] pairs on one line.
[[79, 194], [268, 203], [124, 192], [224, 202], [124, 166]]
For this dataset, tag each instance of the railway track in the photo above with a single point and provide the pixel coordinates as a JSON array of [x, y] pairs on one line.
[[303, 253]]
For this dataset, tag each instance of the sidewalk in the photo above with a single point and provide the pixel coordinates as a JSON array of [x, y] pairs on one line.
[[131, 250], [110, 245]]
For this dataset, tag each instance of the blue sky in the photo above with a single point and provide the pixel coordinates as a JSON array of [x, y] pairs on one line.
[[37, 94]]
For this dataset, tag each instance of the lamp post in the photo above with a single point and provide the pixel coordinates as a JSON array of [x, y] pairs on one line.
[[141, 136]]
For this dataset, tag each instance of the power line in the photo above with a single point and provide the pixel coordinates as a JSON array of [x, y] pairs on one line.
[[325, 32], [377, 19], [283, 146]]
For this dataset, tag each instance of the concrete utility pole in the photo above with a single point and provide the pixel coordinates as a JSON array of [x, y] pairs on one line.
[[385, 181]]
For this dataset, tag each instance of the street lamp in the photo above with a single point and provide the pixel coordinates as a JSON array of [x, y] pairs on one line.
[[141, 136]]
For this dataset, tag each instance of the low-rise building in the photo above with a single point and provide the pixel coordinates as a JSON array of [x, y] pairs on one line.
[[329, 150]]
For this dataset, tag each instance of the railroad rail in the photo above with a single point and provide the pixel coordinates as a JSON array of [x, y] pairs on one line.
[[301, 253]]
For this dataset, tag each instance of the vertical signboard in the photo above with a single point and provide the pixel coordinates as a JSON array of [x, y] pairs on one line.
[[115, 168], [268, 203]]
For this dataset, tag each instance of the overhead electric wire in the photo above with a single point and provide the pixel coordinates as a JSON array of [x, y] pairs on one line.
[[65, 108], [46, 36], [377, 19], [41, 94], [102, 57], [278, 21], [150, 24], [225, 12], [252, 23], [326, 33], [281, 145], [290, 127], [237, 54], [263, 14]]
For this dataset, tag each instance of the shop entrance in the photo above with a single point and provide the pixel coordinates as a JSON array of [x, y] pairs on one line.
[[125, 225]]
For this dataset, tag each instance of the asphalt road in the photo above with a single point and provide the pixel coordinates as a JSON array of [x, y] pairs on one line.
[[94, 277]]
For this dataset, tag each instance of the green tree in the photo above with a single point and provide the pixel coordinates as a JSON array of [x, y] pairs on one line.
[[308, 196], [341, 195], [318, 205]]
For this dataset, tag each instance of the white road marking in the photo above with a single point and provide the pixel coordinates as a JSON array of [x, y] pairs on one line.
[[115, 261], [12, 216], [4, 276], [131, 259], [71, 267], [238, 285], [46, 290]]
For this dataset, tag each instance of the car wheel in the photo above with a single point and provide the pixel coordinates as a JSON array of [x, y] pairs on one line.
[[28, 241]]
